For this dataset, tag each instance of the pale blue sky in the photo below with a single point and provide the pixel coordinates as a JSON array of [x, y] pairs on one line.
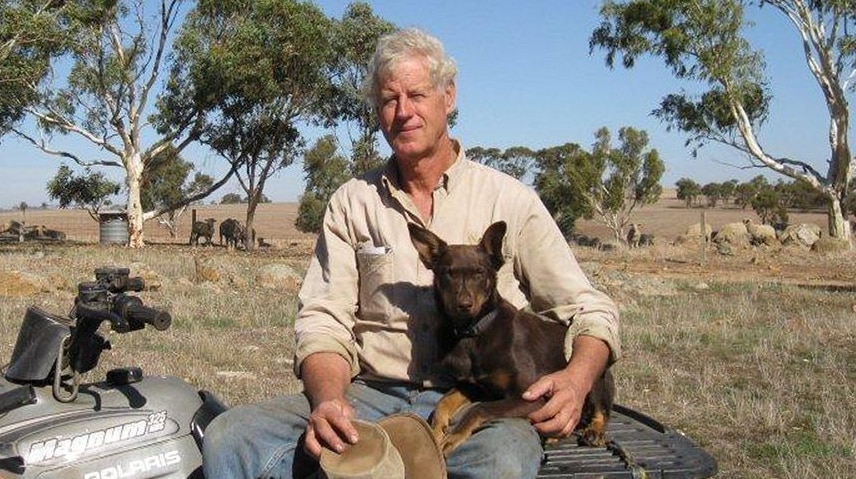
[[526, 78]]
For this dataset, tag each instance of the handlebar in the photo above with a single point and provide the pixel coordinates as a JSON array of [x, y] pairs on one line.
[[104, 299], [136, 312], [125, 314]]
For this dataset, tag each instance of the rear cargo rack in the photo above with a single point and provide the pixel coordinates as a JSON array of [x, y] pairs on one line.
[[639, 447]]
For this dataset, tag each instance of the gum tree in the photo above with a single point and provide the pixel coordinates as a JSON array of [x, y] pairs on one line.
[[702, 41], [116, 61], [608, 184], [259, 72]]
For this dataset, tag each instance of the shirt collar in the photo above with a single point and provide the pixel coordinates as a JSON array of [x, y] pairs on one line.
[[392, 182]]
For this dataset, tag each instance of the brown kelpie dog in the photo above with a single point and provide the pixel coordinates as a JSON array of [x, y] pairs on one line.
[[493, 350]]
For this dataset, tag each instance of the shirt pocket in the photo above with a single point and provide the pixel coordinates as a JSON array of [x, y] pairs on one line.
[[377, 275]]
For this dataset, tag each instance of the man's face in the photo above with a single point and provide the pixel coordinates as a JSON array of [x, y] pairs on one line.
[[412, 112]]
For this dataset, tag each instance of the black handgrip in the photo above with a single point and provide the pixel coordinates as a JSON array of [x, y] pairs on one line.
[[158, 318], [90, 317], [133, 309]]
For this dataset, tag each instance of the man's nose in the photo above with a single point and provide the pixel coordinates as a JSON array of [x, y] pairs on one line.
[[404, 108]]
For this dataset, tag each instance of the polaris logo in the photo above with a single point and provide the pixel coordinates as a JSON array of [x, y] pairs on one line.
[[77, 445], [132, 468]]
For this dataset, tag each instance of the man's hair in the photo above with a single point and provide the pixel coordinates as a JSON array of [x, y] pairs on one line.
[[402, 45]]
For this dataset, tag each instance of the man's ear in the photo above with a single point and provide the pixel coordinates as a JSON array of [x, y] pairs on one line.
[[450, 94], [427, 244]]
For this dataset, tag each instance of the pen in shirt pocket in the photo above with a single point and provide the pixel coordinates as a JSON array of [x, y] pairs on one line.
[[370, 248]]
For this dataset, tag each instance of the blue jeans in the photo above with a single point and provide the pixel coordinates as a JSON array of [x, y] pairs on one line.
[[264, 440]]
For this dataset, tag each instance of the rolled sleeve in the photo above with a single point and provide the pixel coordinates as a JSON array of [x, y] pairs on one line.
[[322, 343], [603, 326]]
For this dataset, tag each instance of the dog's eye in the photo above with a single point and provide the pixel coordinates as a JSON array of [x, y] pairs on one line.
[[444, 272]]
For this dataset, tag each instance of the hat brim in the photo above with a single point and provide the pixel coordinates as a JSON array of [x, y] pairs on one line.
[[372, 457], [413, 439]]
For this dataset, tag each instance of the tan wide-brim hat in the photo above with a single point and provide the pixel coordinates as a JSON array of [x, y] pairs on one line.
[[400, 446]]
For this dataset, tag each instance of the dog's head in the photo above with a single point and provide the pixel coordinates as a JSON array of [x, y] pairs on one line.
[[464, 275]]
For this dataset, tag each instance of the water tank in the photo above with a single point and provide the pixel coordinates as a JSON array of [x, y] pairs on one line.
[[113, 227]]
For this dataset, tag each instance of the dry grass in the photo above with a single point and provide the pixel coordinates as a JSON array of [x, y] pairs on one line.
[[757, 377], [229, 336], [752, 355]]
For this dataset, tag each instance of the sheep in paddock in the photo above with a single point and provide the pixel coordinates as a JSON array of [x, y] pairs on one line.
[[735, 235], [634, 235], [202, 229], [233, 231], [646, 239], [761, 234]]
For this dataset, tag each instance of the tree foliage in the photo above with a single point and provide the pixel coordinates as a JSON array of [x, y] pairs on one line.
[[688, 190], [355, 37], [324, 170], [768, 205], [32, 34], [714, 193], [703, 41], [619, 178], [519, 162], [608, 183], [231, 199], [89, 190], [850, 202], [167, 183], [558, 191]]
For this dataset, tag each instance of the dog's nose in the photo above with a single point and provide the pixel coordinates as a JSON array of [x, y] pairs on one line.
[[464, 306]]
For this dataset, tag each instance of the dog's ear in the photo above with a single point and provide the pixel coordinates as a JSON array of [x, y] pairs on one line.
[[491, 242], [427, 244]]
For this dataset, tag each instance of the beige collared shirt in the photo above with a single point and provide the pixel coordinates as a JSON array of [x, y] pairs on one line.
[[368, 297]]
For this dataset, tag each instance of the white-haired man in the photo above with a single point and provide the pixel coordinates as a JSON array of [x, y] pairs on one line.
[[366, 328]]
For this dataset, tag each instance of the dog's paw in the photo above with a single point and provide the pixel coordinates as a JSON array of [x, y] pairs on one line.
[[593, 438], [450, 442], [439, 428], [550, 440], [439, 434]]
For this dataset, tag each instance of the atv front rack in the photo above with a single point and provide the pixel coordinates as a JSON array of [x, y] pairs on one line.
[[639, 447]]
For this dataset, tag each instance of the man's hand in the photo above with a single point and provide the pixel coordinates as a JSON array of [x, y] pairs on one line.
[[330, 425], [326, 377], [565, 391], [559, 416]]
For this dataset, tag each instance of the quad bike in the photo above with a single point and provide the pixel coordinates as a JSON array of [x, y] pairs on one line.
[[127, 426]]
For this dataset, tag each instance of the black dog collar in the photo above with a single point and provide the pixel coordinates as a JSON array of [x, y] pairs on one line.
[[476, 327]]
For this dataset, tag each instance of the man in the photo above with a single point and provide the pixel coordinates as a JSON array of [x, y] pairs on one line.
[[365, 331]]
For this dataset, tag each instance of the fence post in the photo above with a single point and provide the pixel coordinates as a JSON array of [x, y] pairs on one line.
[[703, 241], [192, 222]]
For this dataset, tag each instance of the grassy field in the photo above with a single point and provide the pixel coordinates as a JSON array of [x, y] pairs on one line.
[[753, 355]]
